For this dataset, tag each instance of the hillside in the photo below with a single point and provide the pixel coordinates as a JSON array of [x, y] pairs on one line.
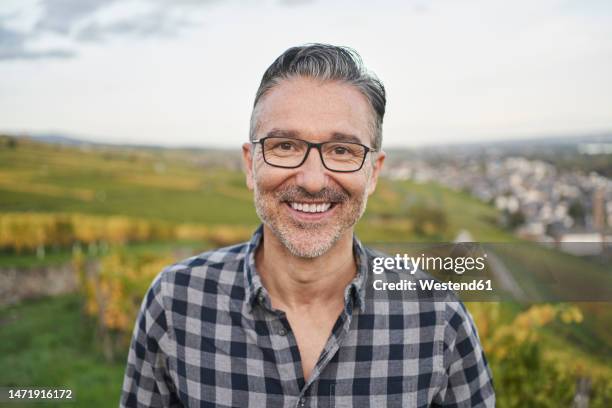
[[201, 189]]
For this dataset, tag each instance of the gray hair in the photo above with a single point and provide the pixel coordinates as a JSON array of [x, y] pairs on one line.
[[326, 63]]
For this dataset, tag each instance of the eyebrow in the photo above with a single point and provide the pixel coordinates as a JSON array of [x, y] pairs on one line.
[[283, 133], [342, 137], [336, 136]]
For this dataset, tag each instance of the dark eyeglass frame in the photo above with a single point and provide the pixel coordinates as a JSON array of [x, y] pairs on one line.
[[311, 145]]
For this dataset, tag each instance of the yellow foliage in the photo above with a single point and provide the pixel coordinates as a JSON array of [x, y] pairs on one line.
[[501, 339], [496, 337], [572, 315], [192, 232], [226, 235], [28, 231], [114, 291]]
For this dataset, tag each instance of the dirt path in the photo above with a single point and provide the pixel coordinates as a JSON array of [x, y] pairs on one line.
[[502, 276]]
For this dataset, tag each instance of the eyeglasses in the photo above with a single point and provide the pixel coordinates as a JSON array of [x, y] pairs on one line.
[[290, 153]]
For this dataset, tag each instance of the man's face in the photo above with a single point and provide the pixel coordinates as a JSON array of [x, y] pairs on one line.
[[314, 111]]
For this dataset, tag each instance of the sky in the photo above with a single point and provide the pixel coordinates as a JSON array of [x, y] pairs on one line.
[[184, 72]]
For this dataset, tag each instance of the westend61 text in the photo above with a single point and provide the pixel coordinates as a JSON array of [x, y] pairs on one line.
[[431, 284]]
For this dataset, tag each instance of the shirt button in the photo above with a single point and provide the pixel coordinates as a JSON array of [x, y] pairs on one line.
[[261, 298], [282, 331], [302, 402]]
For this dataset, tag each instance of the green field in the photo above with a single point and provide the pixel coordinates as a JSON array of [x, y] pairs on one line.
[[146, 184], [49, 342]]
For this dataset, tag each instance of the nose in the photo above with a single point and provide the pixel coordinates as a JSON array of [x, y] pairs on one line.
[[312, 174]]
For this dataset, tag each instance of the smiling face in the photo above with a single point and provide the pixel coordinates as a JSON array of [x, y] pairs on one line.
[[309, 208]]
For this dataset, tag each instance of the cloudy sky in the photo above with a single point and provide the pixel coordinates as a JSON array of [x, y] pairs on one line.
[[184, 72]]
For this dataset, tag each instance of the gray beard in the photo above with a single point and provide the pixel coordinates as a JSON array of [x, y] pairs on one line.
[[285, 232]]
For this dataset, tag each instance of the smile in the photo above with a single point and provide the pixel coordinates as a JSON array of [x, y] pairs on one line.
[[310, 207]]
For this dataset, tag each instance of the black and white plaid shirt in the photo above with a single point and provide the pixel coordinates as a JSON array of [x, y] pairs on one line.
[[207, 336]]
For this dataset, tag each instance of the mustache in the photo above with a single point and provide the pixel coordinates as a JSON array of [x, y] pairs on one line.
[[296, 193]]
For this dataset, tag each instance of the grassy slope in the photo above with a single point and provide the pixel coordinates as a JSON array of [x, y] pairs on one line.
[[37, 177], [47, 343]]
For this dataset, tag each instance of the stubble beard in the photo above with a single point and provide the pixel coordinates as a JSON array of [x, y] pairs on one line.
[[308, 239]]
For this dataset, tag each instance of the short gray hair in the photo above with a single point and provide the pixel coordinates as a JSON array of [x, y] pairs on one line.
[[326, 63]]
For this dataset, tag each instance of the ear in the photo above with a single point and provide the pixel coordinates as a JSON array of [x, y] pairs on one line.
[[247, 162], [376, 168]]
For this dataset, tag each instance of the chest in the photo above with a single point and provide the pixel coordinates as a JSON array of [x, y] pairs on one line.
[[263, 362], [311, 332]]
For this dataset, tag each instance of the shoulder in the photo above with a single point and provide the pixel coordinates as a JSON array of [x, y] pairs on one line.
[[459, 321], [228, 259], [199, 273]]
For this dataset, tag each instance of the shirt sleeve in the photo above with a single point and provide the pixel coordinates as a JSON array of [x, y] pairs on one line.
[[146, 382], [468, 377]]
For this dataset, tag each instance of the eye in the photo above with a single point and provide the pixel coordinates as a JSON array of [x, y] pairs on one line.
[[340, 150], [284, 145]]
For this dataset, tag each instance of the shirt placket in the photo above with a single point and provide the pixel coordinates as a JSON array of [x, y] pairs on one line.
[[329, 351], [285, 348], [287, 355]]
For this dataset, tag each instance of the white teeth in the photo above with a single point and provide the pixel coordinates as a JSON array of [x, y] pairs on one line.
[[311, 208]]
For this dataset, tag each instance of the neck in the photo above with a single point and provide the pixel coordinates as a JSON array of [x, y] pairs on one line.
[[295, 282]]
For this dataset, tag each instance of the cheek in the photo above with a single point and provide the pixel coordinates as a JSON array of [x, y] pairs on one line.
[[266, 177], [355, 186]]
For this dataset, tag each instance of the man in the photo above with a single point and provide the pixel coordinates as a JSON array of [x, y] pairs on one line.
[[289, 318]]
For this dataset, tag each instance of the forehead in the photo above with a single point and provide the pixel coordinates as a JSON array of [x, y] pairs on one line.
[[315, 110]]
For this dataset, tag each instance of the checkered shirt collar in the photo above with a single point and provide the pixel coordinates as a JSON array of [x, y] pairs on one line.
[[254, 287]]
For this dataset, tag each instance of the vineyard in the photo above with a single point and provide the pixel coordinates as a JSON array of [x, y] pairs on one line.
[[69, 200], [23, 232]]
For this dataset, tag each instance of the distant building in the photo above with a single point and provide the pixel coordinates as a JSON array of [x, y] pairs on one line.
[[584, 244], [599, 210]]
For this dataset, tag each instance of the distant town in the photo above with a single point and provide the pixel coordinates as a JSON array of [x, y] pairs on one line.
[[537, 199]]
